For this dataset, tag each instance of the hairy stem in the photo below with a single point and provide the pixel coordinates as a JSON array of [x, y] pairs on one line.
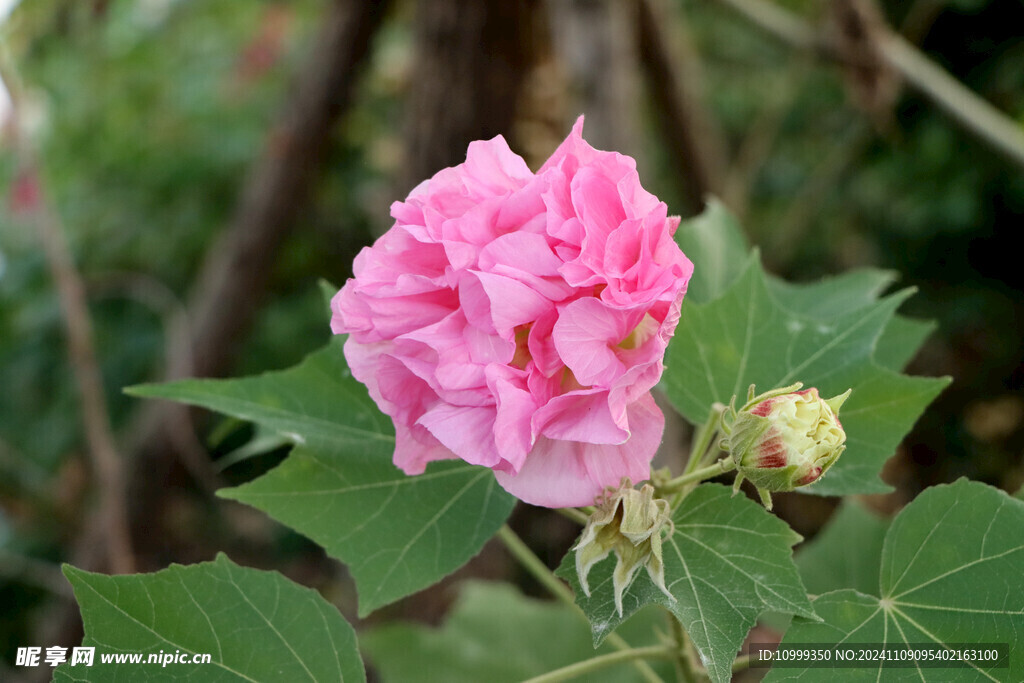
[[704, 438], [574, 514], [713, 470]]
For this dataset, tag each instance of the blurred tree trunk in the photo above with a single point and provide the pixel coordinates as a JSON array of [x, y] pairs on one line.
[[691, 134], [595, 41], [234, 277], [471, 59]]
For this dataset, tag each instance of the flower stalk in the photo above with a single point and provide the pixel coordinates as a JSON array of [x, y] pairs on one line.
[[603, 661], [538, 570]]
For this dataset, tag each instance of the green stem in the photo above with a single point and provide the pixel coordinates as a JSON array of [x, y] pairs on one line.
[[574, 514], [703, 439], [603, 661], [685, 668], [534, 565], [723, 465], [554, 585], [743, 662]]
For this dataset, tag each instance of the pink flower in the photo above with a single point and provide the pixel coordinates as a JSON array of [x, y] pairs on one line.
[[519, 321]]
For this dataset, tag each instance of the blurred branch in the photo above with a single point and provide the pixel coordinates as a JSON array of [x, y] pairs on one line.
[[108, 529], [236, 272], [672, 66], [973, 113], [237, 268], [163, 302], [759, 141]]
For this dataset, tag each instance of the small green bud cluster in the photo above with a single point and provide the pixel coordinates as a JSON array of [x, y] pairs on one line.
[[629, 523]]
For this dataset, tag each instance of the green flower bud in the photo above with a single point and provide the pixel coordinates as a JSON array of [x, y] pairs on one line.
[[628, 523], [784, 438]]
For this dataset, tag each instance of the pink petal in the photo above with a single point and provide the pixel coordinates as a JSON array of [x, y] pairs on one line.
[[554, 475], [512, 434], [466, 431], [606, 465], [584, 334], [492, 168], [504, 302], [583, 416], [570, 474]]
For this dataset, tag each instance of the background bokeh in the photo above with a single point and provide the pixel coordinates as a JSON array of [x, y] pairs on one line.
[[158, 136]]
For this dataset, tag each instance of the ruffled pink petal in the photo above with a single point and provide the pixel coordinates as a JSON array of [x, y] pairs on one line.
[[584, 334], [507, 303], [606, 465], [554, 475], [584, 416], [491, 168], [519, 321], [415, 448], [466, 431], [570, 474], [515, 406], [573, 152]]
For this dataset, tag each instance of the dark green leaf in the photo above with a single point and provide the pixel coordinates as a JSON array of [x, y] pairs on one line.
[[398, 534], [831, 297], [900, 342], [715, 243], [256, 625], [746, 337]]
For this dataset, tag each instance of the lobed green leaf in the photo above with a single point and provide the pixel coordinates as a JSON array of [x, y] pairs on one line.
[[951, 571], [846, 553], [256, 625], [746, 336]]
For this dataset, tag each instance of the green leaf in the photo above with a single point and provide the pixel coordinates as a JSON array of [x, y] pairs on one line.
[[726, 562], [900, 341], [831, 297], [715, 243], [951, 571], [399, 534], [256, 625], [495, 634], [316, 402], [846, 553], [747, 337]]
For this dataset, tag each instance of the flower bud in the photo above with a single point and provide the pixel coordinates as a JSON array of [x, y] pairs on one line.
[[629, 523], [784, 438]]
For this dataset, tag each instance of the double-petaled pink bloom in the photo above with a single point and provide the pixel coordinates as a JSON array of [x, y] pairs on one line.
[[519, 321]]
